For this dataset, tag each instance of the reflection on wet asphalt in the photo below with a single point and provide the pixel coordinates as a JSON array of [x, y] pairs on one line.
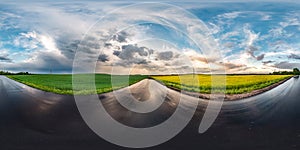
[[33, 119]]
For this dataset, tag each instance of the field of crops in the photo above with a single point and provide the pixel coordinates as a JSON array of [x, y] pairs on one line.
[[62, 84], [235, 84]]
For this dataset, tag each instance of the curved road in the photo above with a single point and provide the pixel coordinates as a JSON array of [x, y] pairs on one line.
[[33, 119]]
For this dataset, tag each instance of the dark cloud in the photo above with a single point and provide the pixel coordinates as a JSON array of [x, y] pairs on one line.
[[44, 64], [267, 62], [67, 47], [128, 51], [103, 58], [251, 50], [165, 55], [139, 61], [151, 51], [132, 54], [121, 37], [5, 59], [89, 45], [260, 57], [107, 44], [116, 53], [69, 44], [294, 56], [287, 65]]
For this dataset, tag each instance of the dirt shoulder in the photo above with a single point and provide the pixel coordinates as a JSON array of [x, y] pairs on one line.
[[230, 97]]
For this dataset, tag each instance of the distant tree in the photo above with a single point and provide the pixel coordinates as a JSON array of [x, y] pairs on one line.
[[284, 73], [22, 73], [296, 71]]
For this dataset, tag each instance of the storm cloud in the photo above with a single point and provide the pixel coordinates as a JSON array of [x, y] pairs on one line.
[[103, 58], [67, 47]]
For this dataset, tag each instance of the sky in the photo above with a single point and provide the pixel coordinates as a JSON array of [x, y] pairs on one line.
[[149, 38]]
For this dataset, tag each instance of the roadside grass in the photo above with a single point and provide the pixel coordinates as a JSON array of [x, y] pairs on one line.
[[235, 84], [62, 83]]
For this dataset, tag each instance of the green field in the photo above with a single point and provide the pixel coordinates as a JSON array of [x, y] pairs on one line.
[[235, 84], [62, 84]]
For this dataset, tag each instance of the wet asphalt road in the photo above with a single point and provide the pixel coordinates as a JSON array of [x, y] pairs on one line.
[[33, 119]]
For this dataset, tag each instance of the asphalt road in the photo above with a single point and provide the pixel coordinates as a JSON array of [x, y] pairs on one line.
[[33, 119]]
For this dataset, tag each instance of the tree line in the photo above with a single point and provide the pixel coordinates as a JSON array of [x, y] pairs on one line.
[[294, 72], [9, 73]]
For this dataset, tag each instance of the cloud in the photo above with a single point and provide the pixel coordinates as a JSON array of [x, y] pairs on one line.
[[4, 56], [251, 38], [43, 58], [291, 20], [5, 59], [229, 35], [266, 17], [67, 47], [287, 65], [55, 39], [231, 15], [103, 58], [230, 66], [194, 56], [121, 36], [128, 51], [43, 62], [229, 45], [260, 57], [268, 62], [116, 53], [165, 55], [28, 40], [251, 50], [200, 59], [107, 44], [294, 56], [250, 35], [128, 55]]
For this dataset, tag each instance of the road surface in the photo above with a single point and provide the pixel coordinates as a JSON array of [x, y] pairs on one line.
[[33, 119]]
